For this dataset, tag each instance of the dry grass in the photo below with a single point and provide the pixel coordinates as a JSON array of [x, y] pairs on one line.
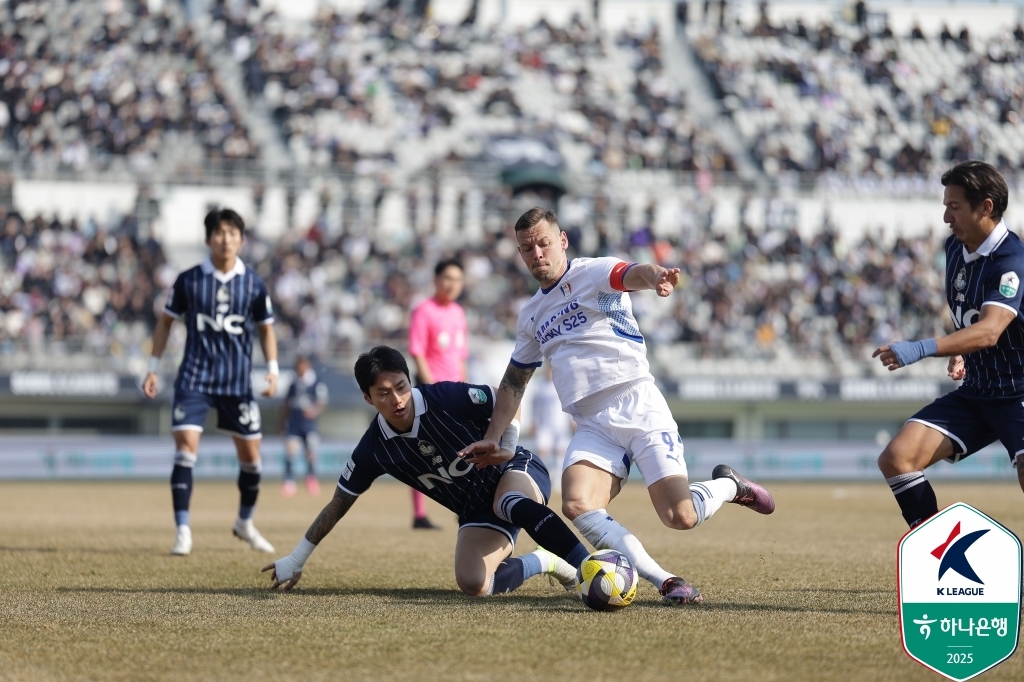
[[90, 593]]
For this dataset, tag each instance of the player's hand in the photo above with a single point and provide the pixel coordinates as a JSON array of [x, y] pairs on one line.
[[309, 413], [887, 358], [271, 388], [668, 281], [151, 384], [490, 459], [956, 369], [283, 575], [481, 448]]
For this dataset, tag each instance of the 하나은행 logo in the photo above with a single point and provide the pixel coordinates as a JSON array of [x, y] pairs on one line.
[[959, 582]]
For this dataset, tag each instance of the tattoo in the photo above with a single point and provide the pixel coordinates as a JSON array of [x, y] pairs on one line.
[[331, 514], [515, 380]]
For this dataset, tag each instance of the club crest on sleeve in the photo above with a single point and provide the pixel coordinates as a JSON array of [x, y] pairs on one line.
[[478, 396], [1008, 284], [961, 279]]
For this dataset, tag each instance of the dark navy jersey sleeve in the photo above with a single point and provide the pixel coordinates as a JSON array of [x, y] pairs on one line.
[[177, 302], [262, 309], [293, 391], [1002, 281], [473, 401], [361, 471]]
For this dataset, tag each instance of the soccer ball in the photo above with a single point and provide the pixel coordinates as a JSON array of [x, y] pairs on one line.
[[606, 581]]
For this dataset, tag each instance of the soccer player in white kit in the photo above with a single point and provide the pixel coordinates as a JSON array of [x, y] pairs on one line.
[[581, 321]]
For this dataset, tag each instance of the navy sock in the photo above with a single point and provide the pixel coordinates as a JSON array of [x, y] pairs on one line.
[[915, 496], [288, 475], [249, 487], [509, 575], [181, 493], [544, 526]]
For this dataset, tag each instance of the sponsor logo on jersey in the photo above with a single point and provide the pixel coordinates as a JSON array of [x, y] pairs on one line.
[[349, 468], [232, 324], [478, 396], [1008, 284], [961, 279]]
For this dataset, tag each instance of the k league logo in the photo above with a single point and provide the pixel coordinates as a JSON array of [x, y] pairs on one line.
[[959, 582]]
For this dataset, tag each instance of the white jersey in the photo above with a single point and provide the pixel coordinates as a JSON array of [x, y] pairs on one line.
[[584, 326]]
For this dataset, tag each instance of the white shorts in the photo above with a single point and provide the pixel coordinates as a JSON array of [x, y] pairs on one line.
[[637, 428]]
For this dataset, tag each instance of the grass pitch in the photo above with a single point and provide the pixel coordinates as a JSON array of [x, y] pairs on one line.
[[90, 593]]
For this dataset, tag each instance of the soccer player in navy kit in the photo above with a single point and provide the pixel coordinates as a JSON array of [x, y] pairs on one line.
[[984, 264], [415, 438], [307, 398], [221, 303]]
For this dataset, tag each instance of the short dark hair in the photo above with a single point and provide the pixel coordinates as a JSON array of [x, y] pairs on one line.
[[445, 264], [223, 215], [980, 181], [534, 216], [378, 359]]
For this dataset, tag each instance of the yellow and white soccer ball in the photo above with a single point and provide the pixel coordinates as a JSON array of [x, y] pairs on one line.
[[606, 581]]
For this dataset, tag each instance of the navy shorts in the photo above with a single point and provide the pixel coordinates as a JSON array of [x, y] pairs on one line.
[[972, 422], [238, 415], [528, 463]]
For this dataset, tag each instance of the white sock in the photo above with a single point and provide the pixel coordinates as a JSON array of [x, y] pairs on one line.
[[709, 496], [604, 532]]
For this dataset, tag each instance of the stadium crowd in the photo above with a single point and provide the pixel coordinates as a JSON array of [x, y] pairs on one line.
[[68, 288], [392, 86], [838, 99], [86, 81]]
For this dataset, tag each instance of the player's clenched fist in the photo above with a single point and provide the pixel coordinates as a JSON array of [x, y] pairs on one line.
[[668, 281]]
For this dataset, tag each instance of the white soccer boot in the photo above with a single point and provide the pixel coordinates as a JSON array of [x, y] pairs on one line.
[[557, 568], [183, 542], [245, 530]]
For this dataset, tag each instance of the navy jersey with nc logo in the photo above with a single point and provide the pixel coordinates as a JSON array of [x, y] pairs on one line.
[[220, 311], [305, 392], [989, 276], [449, 416]]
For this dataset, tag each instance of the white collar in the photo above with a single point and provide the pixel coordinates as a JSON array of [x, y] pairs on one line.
[[225, 277], [991, 243], [421, 407]]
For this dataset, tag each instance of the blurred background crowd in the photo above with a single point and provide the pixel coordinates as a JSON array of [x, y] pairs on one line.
[[402, 108]]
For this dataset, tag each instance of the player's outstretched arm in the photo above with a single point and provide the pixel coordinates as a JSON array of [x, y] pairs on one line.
[[506, 406], [268, 342], [150, 384], [650, 276], [287, 571], [984, 333]]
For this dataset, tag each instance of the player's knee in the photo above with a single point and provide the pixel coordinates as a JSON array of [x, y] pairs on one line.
[[472, 585], [893, 461], [574, 508], [678, 517]]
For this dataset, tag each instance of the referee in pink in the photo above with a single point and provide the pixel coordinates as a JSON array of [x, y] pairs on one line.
[[438, 343]]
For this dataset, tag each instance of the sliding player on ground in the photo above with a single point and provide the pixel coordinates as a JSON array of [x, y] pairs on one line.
[[221, 302], [415, 438], [581, 321], [984, 264]]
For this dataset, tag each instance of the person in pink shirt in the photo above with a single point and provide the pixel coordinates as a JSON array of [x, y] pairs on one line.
[[438, 343]]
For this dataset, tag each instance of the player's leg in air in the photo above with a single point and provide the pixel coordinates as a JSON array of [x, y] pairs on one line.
[[292, 444], [598, 462], [419, 512], [482, 554]]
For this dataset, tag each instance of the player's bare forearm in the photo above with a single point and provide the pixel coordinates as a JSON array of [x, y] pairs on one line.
[[984, 333], [161, 334], [268, 341], [510, 395], [330, 515], [646, 276], [423, 374]]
